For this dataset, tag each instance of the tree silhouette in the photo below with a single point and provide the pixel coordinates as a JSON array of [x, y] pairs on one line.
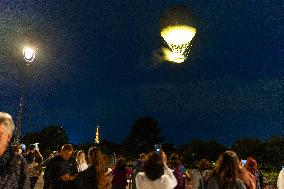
[[246, 147], [197, 149], [31, 138], [144, 134], [52, 138]]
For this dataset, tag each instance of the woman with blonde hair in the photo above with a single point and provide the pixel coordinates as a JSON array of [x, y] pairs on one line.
[[93, 177], [81, 161]]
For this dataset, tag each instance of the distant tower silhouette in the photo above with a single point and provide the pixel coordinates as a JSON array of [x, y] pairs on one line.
[[19, 122], [97, 139]]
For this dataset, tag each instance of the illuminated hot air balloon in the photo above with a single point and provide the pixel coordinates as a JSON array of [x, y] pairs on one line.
[[177, 31]]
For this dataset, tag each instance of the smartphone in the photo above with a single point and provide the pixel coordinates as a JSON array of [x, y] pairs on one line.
[[36, 146], [158, 148]]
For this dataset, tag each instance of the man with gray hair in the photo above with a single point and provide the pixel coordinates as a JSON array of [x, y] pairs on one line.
[[13, 168]]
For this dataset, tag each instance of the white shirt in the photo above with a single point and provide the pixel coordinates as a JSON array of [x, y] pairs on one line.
[[82, 167], [166, 181], [280, 181]]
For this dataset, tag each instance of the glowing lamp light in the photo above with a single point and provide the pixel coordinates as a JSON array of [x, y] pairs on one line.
[[29, 54], [178, 38]]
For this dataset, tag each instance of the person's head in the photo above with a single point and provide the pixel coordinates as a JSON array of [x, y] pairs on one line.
[[142, 156], [120, 164], [6, 131], [94, 156], [141, 159], [55, 153], [81, 158], [66, 151], [175, 160], [251, 165], [153, 166], [203, 164], [17, 149], [32, 147], [227, 167]]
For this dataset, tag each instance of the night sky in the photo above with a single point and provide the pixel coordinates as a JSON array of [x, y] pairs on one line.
[[98, 61]]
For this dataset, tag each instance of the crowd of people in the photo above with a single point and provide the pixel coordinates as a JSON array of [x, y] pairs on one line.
[[20, 169]]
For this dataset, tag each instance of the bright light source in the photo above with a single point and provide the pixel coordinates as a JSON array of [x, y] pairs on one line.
[[172, 56], [29, 54], [178, 38]]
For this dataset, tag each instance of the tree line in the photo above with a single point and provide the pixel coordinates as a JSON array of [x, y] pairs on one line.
[[145, 132]]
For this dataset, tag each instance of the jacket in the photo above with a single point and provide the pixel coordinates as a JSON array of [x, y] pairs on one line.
[[55, 168], [13, 171]]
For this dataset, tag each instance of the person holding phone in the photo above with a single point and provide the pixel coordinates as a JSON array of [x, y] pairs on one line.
[[156, 173], [34, 160]]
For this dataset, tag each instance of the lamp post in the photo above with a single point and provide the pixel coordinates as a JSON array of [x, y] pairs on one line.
[[28, 56], [177, 30]]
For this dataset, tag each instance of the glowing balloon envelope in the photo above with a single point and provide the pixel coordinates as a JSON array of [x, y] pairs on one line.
[[176, 27], [178, 39]]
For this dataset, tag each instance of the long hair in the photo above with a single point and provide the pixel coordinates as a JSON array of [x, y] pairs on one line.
[[81, 157], [203, 164], [251, 165], [226, 169], [175, 161], [95, 159]]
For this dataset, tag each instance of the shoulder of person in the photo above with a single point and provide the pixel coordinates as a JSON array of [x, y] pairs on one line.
[[141, 176]]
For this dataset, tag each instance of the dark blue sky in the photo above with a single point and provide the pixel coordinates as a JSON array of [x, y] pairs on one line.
[[97, 61]]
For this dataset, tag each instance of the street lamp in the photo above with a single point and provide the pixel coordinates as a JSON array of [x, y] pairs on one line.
[[177, 31], [28, 55]]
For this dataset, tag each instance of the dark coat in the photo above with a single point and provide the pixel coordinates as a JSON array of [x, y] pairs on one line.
[[87, 179], [119, 178], [13, 171], [57, 167]]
